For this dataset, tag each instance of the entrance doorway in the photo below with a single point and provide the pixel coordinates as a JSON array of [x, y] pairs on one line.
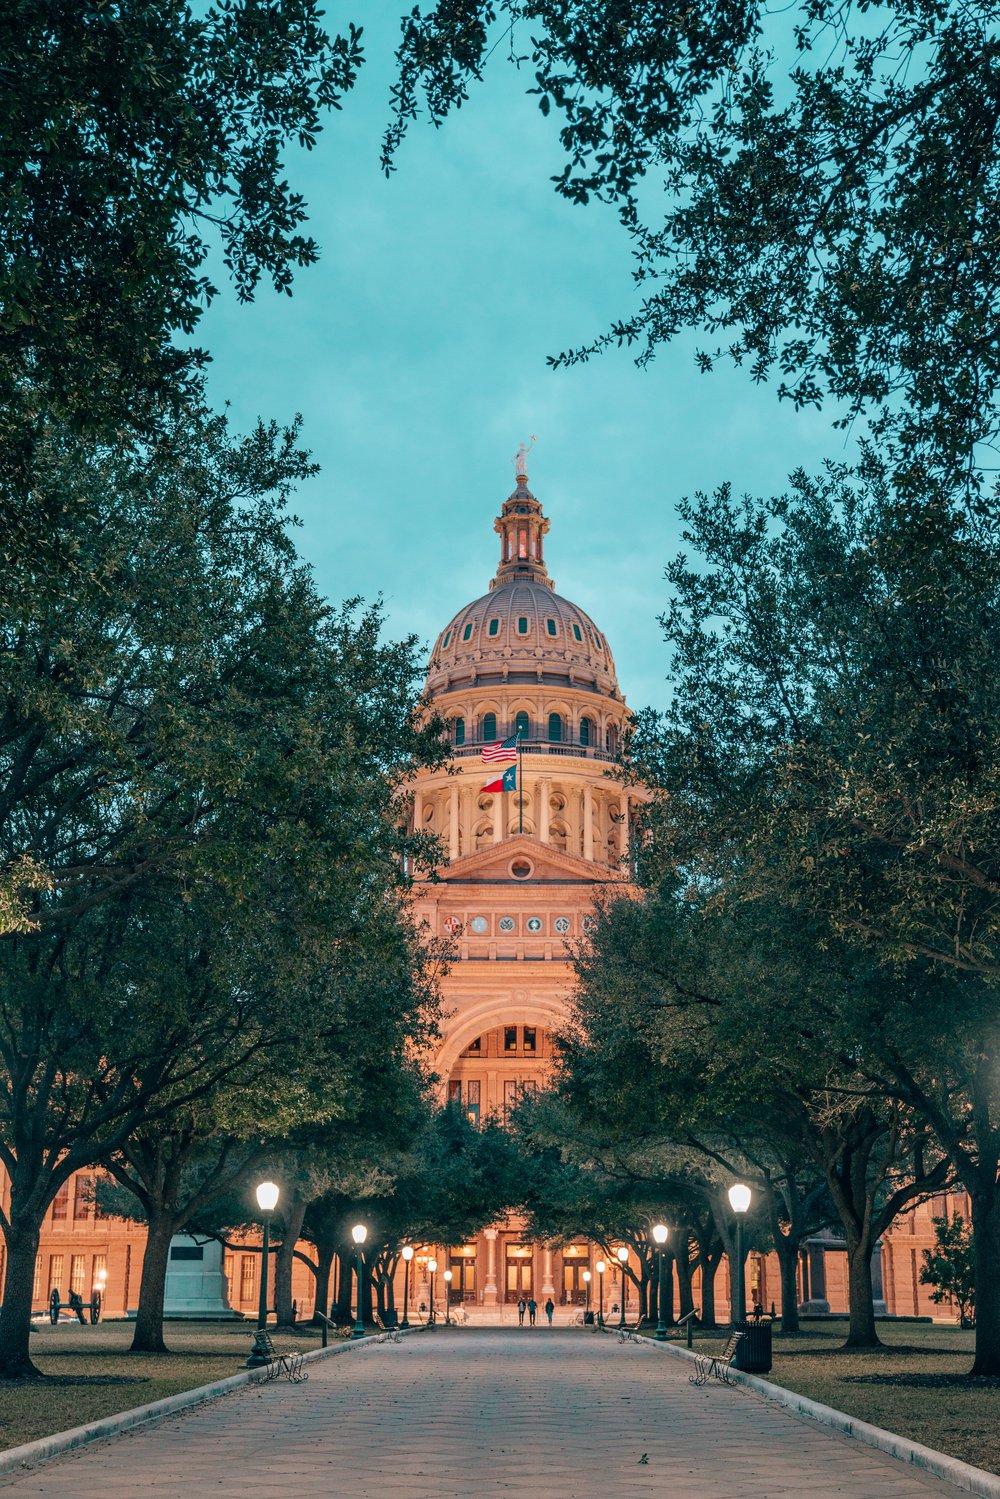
[[463, 1279], [574, 1285], [518, 1278]]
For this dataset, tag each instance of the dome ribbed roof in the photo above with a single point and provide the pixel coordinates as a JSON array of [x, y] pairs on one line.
[[522, 629]]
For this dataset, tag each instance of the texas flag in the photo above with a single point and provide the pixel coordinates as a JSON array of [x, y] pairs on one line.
[[506, 782]]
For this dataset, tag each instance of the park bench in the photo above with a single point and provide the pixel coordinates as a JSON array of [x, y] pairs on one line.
[[76, 1306], [387, 1332], [707, 1364], [626, 1335], [264, 1355]]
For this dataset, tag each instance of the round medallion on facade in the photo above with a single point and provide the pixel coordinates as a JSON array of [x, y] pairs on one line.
[[452, 924], [590, 923], [562, 923], [506, 923], [534, 924], [480, 924]]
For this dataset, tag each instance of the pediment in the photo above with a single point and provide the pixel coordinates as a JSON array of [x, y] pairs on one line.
[[548, 864]]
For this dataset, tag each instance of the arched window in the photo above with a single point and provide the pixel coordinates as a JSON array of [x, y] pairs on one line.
[[555, 728], [446, 640], [467, 632], [522, 725], [522, 626], [576, 632], [611, 739], [459, 730], [494, 627], [586, 731], [489, 726], [550, 625]]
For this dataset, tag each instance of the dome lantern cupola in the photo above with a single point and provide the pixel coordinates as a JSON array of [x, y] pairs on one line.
[[521, 527]]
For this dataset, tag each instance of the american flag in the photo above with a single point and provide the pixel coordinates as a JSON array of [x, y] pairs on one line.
[[496, 754]]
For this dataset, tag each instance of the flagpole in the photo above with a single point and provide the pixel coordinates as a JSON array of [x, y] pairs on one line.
[[520, 787]]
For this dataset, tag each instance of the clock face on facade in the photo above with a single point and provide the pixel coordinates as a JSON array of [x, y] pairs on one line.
[[479, 923], [506, 923], [534, 924], [562, 923]]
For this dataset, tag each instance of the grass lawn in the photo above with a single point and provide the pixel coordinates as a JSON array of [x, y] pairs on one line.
[[89, 1372], [916, 1386]]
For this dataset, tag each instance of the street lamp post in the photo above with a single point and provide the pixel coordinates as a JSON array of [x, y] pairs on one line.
[[586, 1281], [447, 1297], [739, 1201], [660, 1232], [431, 1267], [359, 1234], [407, 1257], [601, 1267], [622, 1260], [267, 1201]]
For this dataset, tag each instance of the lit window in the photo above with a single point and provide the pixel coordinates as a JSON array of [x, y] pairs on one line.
[[489, 726], [555, 728], [472, 1100], [529, 1038], [467, 632], [60, 1202], [83, 1194], [248, 1276], [455, 1092], [494, 627], [510, 1038], [550, 625], [77, 1273], [522, 725], [585, 730], [522, 626], [55, 1272], [522, 542], [459, 724], [576, 632]]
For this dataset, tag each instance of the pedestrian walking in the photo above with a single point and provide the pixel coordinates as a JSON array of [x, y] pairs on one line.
[[532, 1309], [522, 1307], [550, 1307]]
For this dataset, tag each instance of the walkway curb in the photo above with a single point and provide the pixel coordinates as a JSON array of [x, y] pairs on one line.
[[928, 1459], [16, 1458]]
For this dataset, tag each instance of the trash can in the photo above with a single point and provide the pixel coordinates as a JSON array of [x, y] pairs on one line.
[[588, 1319], [390, 1317], [753, 1355]]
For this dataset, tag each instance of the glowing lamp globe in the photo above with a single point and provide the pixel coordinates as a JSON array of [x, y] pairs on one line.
[[267, 1196], [359, 1233], [660, 1232], [739, 1197]]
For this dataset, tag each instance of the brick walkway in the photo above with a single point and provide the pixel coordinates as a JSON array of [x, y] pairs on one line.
[[537, 1414]]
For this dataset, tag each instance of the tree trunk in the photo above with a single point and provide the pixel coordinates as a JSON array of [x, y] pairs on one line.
[[345, 1288], [324, 1268], [986, 1238], [148, 1335], [861, 1328], [685, 1291], [15, 1315], [284, 1259], [788, 1261], [708, 1269], [667, 1309]]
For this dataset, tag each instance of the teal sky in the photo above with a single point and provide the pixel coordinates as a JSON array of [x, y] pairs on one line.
[[415, 351]]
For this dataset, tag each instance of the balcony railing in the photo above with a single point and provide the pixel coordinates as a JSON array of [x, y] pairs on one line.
[[538, 747]]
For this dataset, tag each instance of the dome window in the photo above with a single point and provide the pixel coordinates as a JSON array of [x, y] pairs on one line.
[[458, 730], [522, 626], [586, 731], [522, 725], [550, 625], [494, 627], [467, 632], [446, 641], [555, 728], [576, 631], [489, 726], [611, 739]]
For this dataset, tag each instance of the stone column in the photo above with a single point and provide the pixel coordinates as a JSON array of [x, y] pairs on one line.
[[418, 811], [548, 1285], [817, 1302], [544, 797], [878, 1289], [624, 824], [453, 822], [490, 1288], [588, 821], [497, 816]]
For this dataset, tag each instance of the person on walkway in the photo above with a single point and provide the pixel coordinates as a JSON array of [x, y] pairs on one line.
[[532, 1309], [522, 1307], [550, 1307]]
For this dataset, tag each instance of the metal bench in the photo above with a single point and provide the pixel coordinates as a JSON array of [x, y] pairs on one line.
[[387, 1333], [626, 1335], [264, 1355], [707, 1364]]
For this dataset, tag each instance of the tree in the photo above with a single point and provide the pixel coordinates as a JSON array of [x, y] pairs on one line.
[[135, 137], [187, 730], [830, 754], [950, 1267], [826, 215]]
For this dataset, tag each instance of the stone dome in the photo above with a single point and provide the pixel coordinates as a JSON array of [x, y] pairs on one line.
[[522, 631]]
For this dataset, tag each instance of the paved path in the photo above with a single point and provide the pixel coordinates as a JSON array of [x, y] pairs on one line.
[[536, 1414]]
